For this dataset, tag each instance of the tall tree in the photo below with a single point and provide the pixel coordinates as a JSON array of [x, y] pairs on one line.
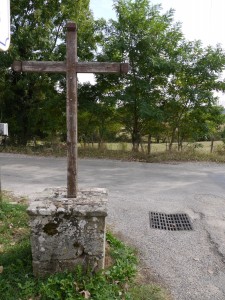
[[148, 40], [192, 86]]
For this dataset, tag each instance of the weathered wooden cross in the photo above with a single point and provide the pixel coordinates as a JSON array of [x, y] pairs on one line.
[[71, 67]]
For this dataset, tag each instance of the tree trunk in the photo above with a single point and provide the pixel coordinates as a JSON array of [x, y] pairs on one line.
[[170, 145], [212, 144], [180, 145], [179, 140], [172, 139], [149, 143], [142, 146], [135, 141], [101, 144], [135, 147], [136, 131]]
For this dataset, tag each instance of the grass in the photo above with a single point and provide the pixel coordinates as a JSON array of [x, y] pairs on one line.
[[156, 147], [187, 155], [117, 281], [190, 152]]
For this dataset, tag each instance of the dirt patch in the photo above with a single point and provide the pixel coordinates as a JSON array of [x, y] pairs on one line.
[[14, 199]]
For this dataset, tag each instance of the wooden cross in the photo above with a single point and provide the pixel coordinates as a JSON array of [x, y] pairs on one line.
[[71, 67]]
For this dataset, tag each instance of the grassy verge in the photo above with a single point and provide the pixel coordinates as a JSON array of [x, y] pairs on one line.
[[172, 156], [188, 154], [117, 281]]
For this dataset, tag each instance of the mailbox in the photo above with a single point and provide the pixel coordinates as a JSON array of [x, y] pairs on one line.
[[4, 129]]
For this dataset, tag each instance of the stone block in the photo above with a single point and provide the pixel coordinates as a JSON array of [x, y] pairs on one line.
[[66, 232]]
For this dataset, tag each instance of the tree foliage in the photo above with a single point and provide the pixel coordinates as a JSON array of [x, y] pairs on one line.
[[147, 39], [170, 77], [34, 104], [169, 92]]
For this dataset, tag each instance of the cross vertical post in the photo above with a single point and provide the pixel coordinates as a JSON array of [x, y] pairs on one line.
[[71, 114], [71, 67]]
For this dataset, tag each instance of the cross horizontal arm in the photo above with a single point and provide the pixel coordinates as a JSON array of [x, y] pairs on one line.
[[60, 67], [39, 66], [102, 67]]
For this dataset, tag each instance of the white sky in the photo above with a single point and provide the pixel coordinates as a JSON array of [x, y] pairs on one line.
[[201, 19]]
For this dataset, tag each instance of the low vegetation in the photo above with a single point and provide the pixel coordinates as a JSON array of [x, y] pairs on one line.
[[190, 152], [117, 281]]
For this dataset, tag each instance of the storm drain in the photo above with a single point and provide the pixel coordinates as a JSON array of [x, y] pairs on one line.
[[172, 222]]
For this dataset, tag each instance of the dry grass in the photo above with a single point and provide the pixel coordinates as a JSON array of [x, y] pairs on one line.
[[190, 152], [155, 147]]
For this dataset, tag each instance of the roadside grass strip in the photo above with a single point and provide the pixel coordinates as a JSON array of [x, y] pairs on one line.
[[117, 281]]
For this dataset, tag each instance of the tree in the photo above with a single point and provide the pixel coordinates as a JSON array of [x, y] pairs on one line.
[[192, 87], [97, 115], [34, 104], [214, 120], [148, 40]]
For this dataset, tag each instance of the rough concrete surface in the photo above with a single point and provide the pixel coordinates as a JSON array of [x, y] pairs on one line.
[[190, 263], [66, 232]]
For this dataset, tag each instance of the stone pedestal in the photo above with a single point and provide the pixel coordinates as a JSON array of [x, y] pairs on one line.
[[66, 232]]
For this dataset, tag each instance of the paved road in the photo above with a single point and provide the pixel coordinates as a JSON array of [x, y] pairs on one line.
[[190, 263]]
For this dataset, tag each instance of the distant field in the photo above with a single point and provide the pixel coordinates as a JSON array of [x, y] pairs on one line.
[[161, 147]]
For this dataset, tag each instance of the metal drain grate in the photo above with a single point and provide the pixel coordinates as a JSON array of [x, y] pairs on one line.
[[172, 222]]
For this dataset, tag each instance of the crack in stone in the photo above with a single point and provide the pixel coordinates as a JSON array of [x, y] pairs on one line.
[[201, 215], [215, 247]]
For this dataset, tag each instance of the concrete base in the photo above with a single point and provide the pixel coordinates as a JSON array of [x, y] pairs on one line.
[[66, 232]]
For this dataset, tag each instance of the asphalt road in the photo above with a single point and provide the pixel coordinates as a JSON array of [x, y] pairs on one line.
[[190, 263]]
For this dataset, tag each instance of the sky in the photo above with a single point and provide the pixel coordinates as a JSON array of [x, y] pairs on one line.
[[201, 19]]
